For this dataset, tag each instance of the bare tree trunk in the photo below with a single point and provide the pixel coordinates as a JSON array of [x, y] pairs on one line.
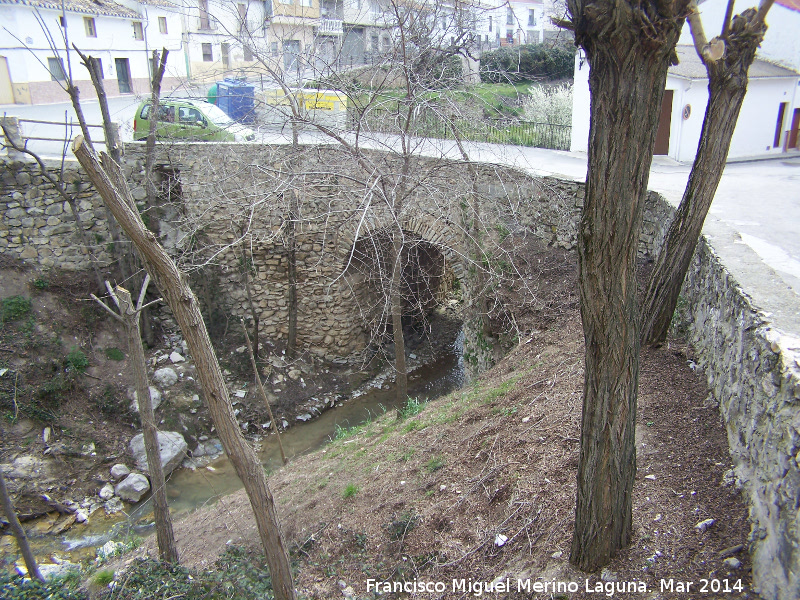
[[291, 242], [397, 317], [18, 531], [727, 86], [246, 265], [7, 123], [167, 550], [95, 72], [627, 75], [263, 393], [109, 181], [124, 259]]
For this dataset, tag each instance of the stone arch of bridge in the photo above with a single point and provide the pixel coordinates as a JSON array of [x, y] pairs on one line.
[[436, 232]]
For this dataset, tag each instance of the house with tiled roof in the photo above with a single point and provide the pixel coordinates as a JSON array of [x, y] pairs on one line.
[[769, 121], [121, 35]]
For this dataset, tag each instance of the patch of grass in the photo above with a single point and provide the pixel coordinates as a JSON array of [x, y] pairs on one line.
[[103, 578], [412, 407], [413, 426], [14, 308], [350, 490], [434, 464], [500, 391], [115, 354]]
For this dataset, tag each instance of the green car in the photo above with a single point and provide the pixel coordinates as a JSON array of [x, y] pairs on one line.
[[190, 120]]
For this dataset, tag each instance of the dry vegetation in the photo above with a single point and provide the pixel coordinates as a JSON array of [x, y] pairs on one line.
[[428, 496]]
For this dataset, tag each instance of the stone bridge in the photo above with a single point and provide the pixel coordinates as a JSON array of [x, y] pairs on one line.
[[223, 204]]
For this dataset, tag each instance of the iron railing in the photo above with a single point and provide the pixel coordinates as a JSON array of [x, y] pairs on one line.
[[499, 131]]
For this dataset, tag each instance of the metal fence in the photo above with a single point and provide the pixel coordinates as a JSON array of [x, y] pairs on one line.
[[498, 131]]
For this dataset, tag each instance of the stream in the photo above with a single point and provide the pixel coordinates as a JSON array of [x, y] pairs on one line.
[[188, 490]]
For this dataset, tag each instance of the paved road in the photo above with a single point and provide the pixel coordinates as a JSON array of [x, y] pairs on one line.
[[754, 223]]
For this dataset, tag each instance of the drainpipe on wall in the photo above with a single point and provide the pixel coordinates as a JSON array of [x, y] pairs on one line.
[[147, 47]]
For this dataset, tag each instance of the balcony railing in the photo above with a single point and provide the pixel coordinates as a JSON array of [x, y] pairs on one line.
[[206, 23], [331, 26]]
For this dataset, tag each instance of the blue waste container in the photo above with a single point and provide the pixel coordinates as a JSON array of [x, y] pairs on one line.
[[236, 98]]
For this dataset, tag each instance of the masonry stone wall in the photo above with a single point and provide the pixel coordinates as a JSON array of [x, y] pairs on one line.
[[38, 225], [753, 370]]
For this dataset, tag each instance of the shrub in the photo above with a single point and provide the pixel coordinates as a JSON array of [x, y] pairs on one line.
[[529, 62], [549, 105], [77, 360], [14, 587]]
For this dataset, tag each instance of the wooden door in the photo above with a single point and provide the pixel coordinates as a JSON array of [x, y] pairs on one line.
[[123, 75], [794, 130], [664, 122]]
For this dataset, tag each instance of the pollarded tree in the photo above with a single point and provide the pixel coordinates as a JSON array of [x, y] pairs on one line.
[[727, 59], [629, 47]]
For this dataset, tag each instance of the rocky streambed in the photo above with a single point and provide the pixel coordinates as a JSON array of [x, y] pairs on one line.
[[105, 496]]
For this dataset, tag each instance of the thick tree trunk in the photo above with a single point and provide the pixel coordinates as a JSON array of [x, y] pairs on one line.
[[727, 86], [627, 75], [111, 185], [18, 531], [167, 551]]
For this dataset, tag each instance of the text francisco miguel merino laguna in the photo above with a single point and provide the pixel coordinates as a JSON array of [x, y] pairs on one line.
[[504, 586]]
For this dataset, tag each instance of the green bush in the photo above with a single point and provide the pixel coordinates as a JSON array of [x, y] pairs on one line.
[[14, 308], [77, 360], [236, 575], [513, 64], [14, 587]]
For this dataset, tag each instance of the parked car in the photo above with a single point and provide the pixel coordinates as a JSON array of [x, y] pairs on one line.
[[189, 119]]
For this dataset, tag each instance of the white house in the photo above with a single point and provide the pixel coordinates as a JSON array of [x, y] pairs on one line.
[[770, 117], [121, 37]]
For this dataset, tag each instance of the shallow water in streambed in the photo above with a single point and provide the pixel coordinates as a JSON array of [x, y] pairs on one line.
[[188, 489]]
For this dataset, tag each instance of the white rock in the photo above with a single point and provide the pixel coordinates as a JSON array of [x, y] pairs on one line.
[[304, 417], [175, 358], [165, 377], [240, 393], [155, 398], [704, 525], [172, 448], [500, 540], [732, 562], [650, 477], [608, 575], [132, 488], [119, 470], [113, 506], [46, 435], [81, 515], [106, 492], [294, 374]]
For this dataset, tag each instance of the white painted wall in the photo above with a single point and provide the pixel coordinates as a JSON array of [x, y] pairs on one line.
[[782, 42], [580, 105], [755, 129]]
